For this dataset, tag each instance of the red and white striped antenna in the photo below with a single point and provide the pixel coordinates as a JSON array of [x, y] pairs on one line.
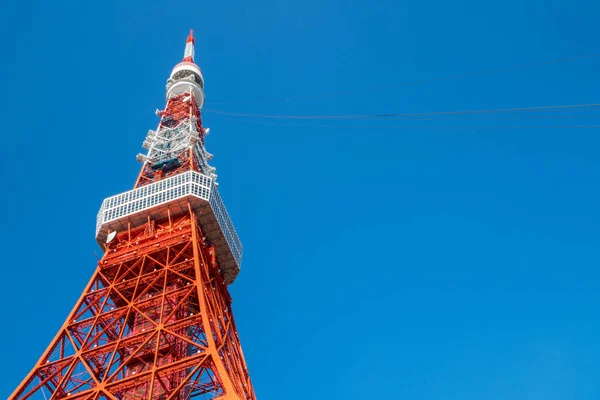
[[188, 55]]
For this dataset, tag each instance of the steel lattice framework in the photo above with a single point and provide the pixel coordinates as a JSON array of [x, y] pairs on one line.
[[155, 320]]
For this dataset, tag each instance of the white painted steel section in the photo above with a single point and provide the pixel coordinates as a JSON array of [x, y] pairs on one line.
[[175, 87], [169, 142], [182, 86], [148, 196], [231, 236], [187, 65], [189, 50]]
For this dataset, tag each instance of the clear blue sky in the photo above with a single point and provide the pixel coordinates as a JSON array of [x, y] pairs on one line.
[[433, 258]]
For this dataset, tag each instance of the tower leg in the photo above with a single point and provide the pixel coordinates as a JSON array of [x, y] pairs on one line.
[[154, 322]]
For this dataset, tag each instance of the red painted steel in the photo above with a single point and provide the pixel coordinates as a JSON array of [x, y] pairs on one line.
[[154, 322]]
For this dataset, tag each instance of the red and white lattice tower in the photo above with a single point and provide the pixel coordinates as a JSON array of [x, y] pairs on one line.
[[155, 320]]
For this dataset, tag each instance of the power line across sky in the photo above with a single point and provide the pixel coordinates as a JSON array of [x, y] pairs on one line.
[[417, 114]]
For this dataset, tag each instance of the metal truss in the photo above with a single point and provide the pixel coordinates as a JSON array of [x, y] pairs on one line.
[[154, 322], [179, 138]]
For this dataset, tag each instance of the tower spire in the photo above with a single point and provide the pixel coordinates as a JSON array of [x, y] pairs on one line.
[[188, 55]]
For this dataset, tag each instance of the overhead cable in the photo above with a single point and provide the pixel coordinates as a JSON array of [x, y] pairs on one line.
[[400, 115]]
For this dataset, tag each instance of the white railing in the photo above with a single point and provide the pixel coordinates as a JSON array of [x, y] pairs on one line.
[[226, 225]]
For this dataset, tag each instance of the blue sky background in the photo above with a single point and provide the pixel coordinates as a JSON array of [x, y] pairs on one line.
[[450, 257]]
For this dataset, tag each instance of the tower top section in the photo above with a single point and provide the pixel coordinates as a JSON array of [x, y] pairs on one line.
[[187, 76]]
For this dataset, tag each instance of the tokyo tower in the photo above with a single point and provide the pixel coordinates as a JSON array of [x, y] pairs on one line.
[[155, 320]]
